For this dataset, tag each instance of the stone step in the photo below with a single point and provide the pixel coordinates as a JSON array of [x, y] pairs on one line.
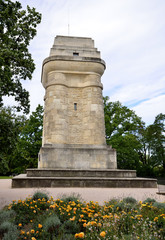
[[22, 181], [81, 173]]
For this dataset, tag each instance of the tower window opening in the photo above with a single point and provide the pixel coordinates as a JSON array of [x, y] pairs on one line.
[[75, 54], [75, 106]]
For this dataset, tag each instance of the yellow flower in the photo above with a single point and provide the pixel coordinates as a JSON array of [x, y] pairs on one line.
[[155, 219], [76, 235], [39, 225], [102, 234], [99, 224], [33, 238], [22, 232], [93, 223], [84, 225], [20, 224], [72, 219], [32, 231], [79, 235]]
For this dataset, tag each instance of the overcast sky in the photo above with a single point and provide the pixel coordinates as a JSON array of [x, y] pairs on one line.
[[131, 37]]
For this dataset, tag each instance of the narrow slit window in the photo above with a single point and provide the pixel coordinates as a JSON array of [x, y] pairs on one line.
[[75, 106], [75, 54]]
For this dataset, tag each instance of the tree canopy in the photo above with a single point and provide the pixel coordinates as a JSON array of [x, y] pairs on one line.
[[138, 147], [20, 140], [17, 28]]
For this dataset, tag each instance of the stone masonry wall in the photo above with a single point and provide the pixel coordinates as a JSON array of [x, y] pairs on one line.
[[73, 115]]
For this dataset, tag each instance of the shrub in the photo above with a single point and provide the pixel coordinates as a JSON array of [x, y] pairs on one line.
[[73, 197], [40, 195], [149, 200], [70, 227], [159, 205], [6, 215], [52, 224], [130, 200], [11, 235], [9, 230], [113, 201]]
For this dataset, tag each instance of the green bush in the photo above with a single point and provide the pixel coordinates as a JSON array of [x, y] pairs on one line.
[[40, 195], [149, 200], [130, 200], [9, 230], [73, 197], [6, 215], [70, 227], [52, 225], [159, 205]]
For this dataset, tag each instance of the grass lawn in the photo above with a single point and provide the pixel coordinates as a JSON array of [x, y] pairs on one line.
[[5, 177]]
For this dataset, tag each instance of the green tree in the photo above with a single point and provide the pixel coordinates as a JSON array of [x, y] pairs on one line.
[[152, 154], [29, 142], [122, 126], [17, 28], [10, 128], [138, 147]]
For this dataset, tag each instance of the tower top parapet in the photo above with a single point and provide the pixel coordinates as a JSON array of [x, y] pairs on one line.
[[74, 46]]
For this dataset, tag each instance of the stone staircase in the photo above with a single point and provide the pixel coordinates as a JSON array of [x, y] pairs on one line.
[[99, 178]]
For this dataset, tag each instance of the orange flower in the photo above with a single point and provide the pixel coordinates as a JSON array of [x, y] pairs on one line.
[[72, 219], [20, 224], [84, 225], [79, 235], [39, 225], [102, 234], [32, 231]]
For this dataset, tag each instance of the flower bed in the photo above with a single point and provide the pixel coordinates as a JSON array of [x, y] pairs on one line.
[[69, 218]]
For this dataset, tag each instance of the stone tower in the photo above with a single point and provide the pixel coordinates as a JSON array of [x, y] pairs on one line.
[[74, 151], [73, 125]]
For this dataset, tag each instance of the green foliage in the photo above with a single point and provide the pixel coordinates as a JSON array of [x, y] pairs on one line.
[[130, 200], [29, 142], [119, 120], [149, 200], [10, 128], [73, 197], [20, 140], [40, 195], [7, 226], [52, 225], [12, 234], [17, 28], [124, 219], [6, 215], [122, 126], [159, 205], [138, 147], [70, 227]]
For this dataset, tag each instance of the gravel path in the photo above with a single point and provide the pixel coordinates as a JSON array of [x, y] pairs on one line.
[[7, 194]]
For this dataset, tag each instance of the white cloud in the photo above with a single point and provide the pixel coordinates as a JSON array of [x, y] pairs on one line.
[[146, 109]]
